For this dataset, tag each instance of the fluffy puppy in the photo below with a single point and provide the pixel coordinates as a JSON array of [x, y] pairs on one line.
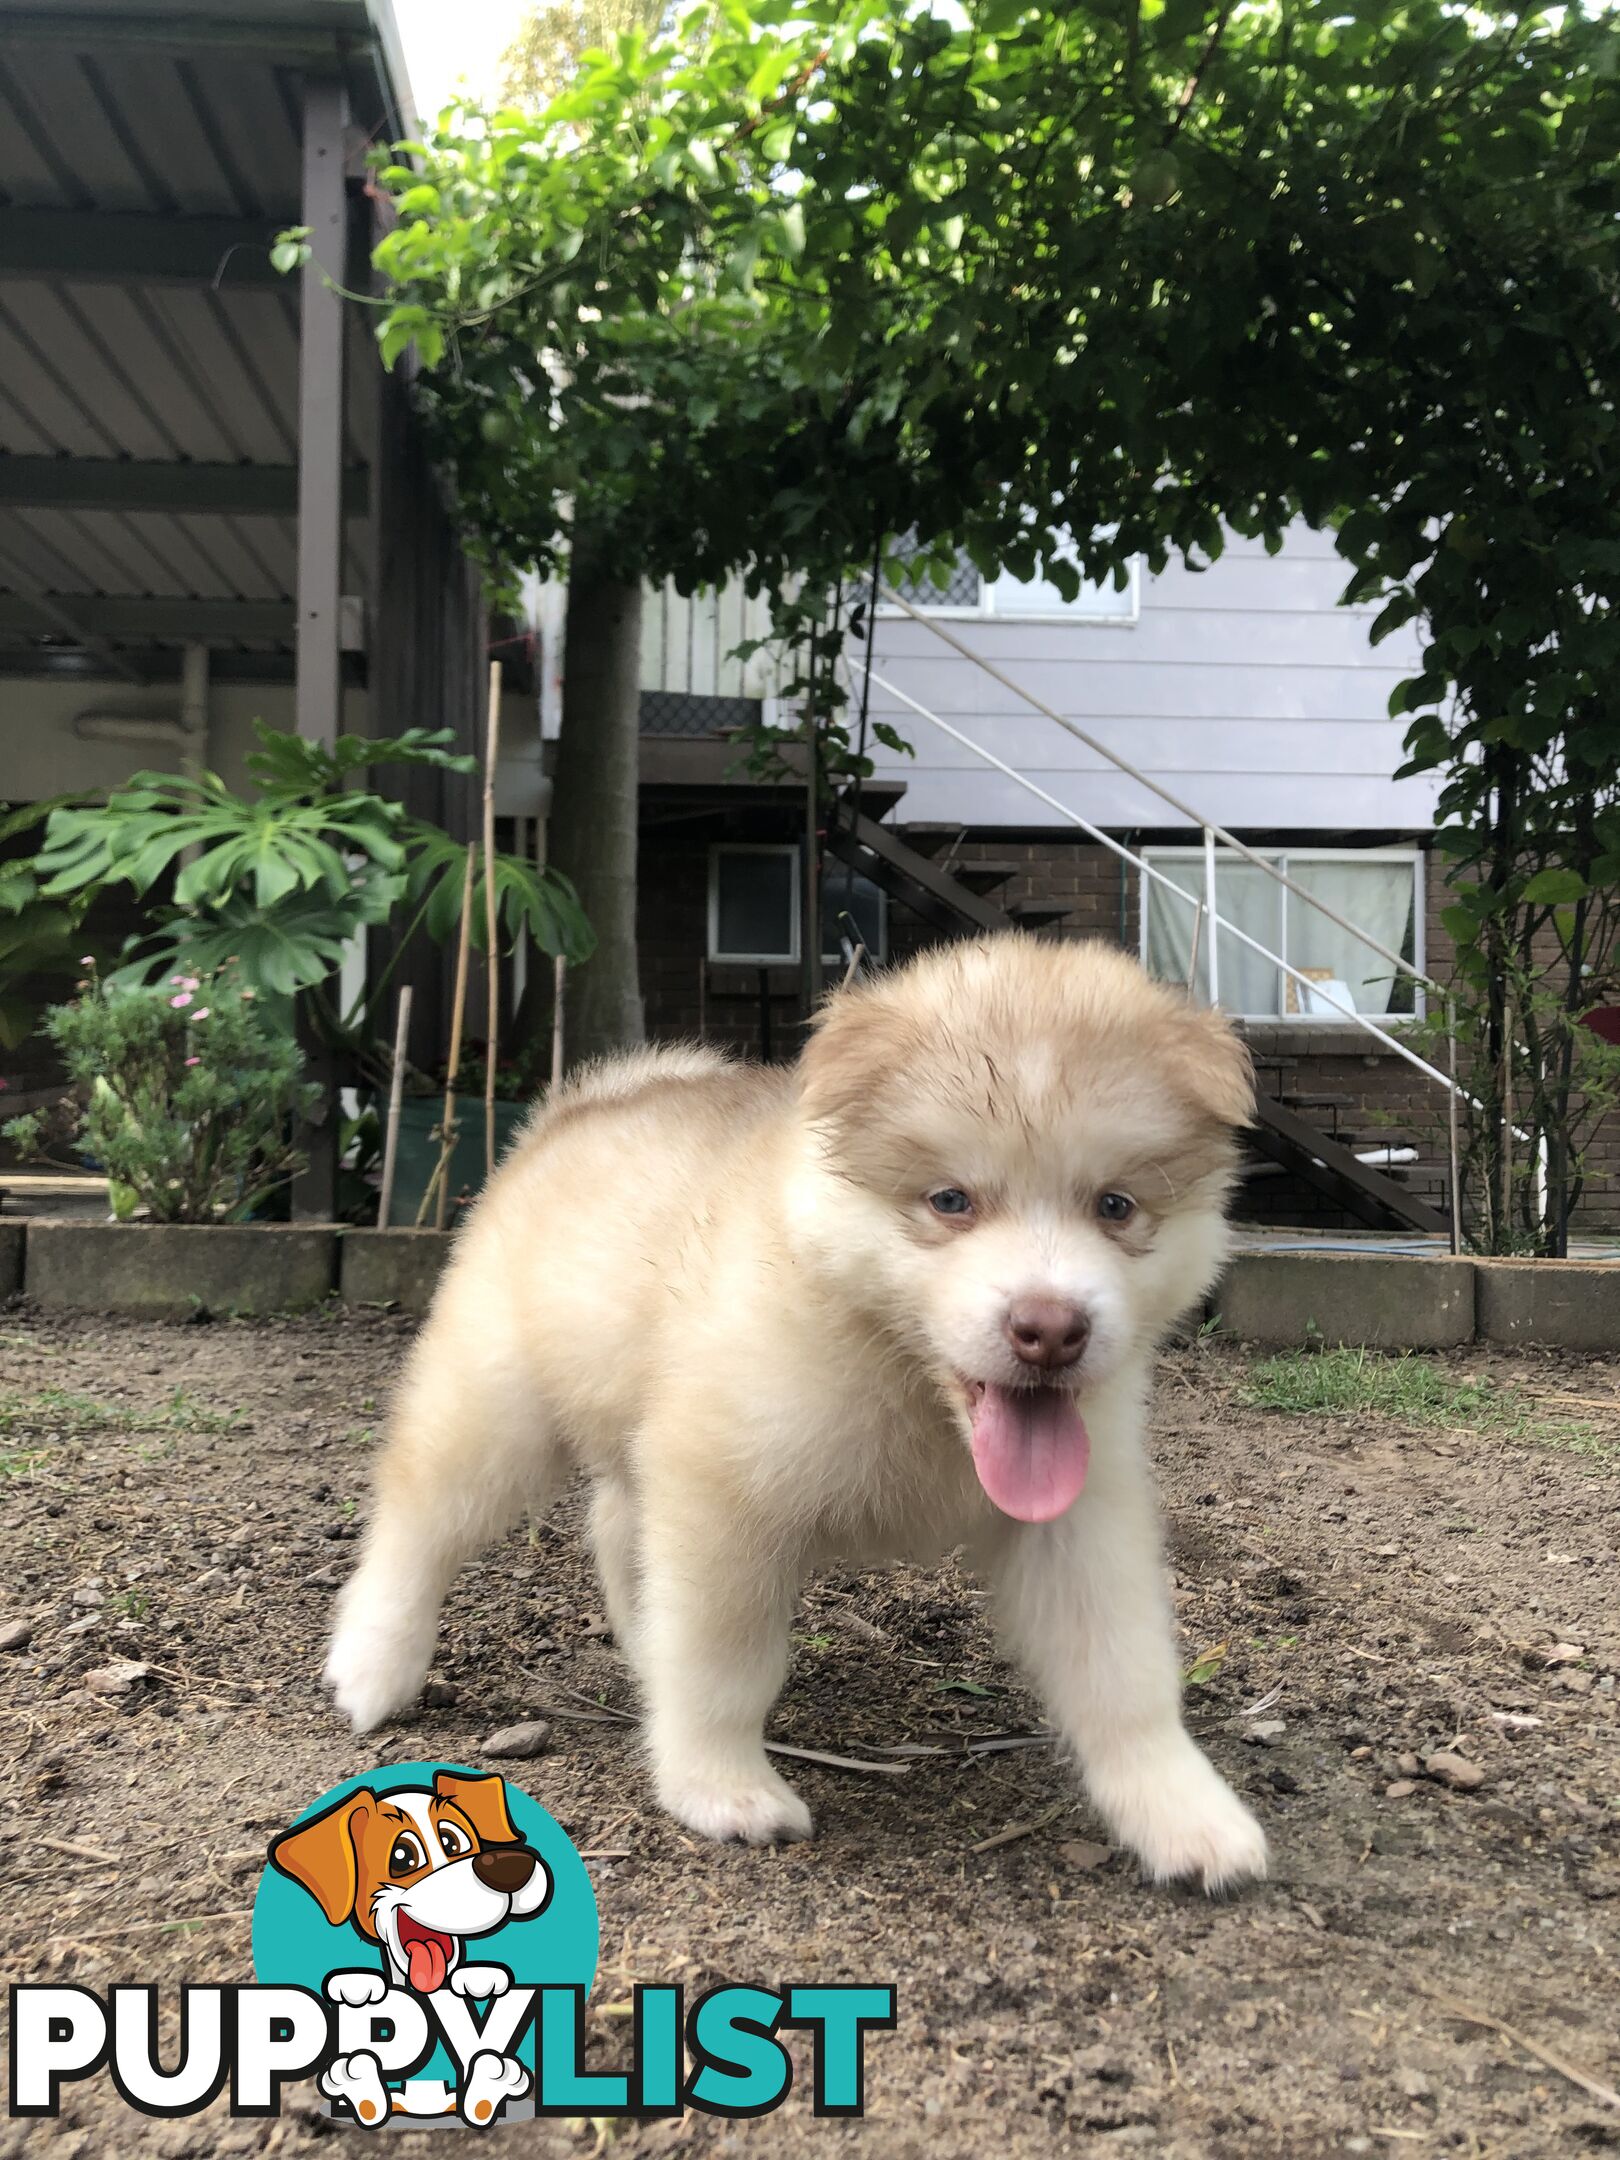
[[901, 1297]]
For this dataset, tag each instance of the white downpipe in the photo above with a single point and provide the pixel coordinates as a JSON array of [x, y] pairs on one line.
[[1209, 904], [1317, 990]]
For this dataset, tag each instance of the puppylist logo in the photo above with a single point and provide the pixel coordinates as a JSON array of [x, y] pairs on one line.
[[424, 1942]]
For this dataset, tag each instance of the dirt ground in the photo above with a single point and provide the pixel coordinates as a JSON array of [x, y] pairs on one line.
[[1401, 1587]]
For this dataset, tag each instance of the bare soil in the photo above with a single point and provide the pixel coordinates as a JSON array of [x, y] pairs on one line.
[[1401, 1587]]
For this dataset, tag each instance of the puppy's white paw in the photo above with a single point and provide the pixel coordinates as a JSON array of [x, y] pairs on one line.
[[480, 1981], [358, 2080], [753, 1809], [492, 2080], [356, 1989], [1183, 1821], [379, 1657]]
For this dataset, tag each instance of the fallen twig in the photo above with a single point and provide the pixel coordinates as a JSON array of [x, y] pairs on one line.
[[1014, 1831], [836, 1762], [1554, 2061], [151, 1927]]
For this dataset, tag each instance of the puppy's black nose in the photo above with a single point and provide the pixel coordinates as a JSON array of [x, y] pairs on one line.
[[1047, 1332], [507, 1867]]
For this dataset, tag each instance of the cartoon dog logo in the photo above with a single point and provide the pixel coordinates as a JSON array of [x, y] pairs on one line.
[[419, 1873]]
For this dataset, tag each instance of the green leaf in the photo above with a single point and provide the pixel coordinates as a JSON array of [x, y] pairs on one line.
[[1555, 888]]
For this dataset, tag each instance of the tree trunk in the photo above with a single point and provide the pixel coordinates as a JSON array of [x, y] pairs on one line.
[[592, 836]]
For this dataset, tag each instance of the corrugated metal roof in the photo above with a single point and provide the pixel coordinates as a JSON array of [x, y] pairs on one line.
[[146, 160]]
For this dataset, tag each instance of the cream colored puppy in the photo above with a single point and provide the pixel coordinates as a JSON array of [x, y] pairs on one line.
[[900, 1298]]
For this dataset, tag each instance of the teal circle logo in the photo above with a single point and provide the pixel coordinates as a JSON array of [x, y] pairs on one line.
[[421, 1895]]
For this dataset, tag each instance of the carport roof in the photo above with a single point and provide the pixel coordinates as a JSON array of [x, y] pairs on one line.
[[148, 351]]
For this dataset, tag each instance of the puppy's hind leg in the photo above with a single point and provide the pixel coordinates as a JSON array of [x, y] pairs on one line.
[[615, 1541], [467, 1452]]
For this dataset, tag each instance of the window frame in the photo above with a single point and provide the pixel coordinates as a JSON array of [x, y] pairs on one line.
[[1403, 851], [789, 848], [1071, 617]]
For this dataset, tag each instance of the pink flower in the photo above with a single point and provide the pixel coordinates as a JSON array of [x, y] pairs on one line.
[[87, 959], [183, 997], [193, 1061], [201, 1013], [188, 982]]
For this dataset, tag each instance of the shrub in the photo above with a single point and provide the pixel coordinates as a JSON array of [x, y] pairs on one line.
[[186, 1096]]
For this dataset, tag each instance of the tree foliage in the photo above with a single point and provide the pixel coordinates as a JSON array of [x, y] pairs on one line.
[[1137, 273], [544, 58]]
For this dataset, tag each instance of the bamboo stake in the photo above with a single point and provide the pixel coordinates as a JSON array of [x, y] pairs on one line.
[[559, 984], [492, 747], [1450, 1128], [440, 1182], [1507, 1120], [396, 1090]]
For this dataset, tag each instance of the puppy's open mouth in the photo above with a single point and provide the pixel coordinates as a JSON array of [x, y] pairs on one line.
[[427, 1953], [1030, 1448]]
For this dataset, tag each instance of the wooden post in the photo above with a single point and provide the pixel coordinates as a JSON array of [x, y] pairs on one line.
[[396, 1089], [458, 1014], [559, 978], [492, 745], [318, 685], [1451, 1128]]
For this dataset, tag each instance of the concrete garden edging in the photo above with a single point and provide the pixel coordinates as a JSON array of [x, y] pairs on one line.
[[1387, 1301], [391, 1267], [166, 1271], [1567, 1302]]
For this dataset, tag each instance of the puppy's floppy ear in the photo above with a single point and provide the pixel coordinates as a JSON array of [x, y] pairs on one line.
[[1212, 1066], [858, 1040], [483, 1801], [323, 1854]]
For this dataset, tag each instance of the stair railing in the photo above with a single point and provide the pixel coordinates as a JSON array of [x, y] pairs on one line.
[[1207, 916]]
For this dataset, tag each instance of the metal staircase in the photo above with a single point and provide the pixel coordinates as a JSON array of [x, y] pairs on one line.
[[954, 898]]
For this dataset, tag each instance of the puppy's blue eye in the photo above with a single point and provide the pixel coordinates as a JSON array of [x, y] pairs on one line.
[[1116, 1207], [950, 1201]]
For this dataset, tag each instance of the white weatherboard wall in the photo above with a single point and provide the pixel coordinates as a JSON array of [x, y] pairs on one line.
[[1244, 688]]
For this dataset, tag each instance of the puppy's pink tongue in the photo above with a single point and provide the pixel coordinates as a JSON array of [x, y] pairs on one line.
[[428, 1965], [1031, 1450]]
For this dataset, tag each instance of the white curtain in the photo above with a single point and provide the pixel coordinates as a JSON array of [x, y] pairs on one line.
[[1376, 895], [1244, 897]]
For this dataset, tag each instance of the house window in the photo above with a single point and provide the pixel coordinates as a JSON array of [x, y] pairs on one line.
[[967, 595], [754, 904], [854, 912], [1378, 889]]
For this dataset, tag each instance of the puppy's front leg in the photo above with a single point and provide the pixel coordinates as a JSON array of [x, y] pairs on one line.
[[712, 1655], [1083, 1605]]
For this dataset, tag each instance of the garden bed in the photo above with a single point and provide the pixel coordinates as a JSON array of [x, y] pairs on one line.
[[1400, 1547]]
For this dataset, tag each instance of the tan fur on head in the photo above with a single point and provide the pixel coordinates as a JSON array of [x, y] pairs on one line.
[[1017, 1030]]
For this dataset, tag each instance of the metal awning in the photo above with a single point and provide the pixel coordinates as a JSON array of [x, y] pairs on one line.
[[150, 419]]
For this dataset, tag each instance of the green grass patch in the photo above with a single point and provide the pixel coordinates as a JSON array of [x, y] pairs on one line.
[[1412, 1390], [79, 1416]]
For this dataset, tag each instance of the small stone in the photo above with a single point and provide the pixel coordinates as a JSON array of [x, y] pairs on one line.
[[16, 1635], [1280, 1781], [121, 1677], [87, 1594], [1360, 1754], [1407, 1764], [1414, 2084], [1386, 1552], [1081, 1853], [519, 1740], [1402, 1789], [1454, 1770], [440, 1695], [1575, 1683], [1264, 1732]]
